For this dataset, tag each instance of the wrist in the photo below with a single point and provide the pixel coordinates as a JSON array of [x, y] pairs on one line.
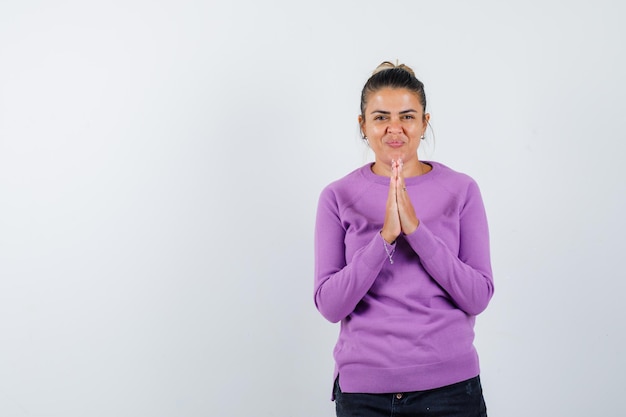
[[390, 248], [388, 238], [411, 228]]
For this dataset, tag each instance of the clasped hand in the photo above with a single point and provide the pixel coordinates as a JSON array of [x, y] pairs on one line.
[[399, 214]]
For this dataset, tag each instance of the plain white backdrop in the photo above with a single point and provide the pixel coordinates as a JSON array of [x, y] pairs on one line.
[[160, 163]]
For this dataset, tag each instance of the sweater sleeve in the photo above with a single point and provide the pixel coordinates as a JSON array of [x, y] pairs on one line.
[[341, 284], [466, 276]]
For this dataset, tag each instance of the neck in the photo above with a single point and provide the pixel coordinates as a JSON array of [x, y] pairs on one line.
[[414, 169]]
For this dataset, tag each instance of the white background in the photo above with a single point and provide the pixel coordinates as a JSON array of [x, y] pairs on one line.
[[160, 163]]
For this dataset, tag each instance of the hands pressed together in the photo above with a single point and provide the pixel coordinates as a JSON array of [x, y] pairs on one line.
[[400, 215]]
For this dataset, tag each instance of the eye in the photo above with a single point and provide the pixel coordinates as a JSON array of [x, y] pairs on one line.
[[408, 117], [380, 117]]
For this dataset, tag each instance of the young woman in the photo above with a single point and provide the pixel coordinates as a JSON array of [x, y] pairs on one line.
[[402, 261]]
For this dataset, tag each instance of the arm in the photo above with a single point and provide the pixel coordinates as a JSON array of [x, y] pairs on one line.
[[340, 284], [466, 276]]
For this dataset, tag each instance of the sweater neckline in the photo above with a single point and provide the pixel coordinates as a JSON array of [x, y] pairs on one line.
[[367, 172]]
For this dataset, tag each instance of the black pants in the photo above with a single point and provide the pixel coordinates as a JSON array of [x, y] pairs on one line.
[[463, 399]]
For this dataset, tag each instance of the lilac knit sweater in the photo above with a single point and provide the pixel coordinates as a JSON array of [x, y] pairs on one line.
[[406, 326]]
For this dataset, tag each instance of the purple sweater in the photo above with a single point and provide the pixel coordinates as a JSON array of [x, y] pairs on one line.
[[406, 326]]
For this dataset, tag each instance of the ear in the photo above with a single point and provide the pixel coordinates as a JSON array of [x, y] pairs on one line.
[[362, 124], [426, 120]]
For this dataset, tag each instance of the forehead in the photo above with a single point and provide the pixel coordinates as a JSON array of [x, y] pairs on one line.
[[389, 99]]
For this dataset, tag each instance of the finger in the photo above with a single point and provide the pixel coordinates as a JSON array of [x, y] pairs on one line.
[[392, 227], [406, 211], [394, 173], [401, 185], [392, 203]]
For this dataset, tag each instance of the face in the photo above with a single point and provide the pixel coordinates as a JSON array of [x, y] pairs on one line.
[[393, 123]]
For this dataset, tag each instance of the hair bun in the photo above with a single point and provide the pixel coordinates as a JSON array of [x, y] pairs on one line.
[[386, 65]]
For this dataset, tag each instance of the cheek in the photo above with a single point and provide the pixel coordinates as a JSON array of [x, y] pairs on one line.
[[377, 128]]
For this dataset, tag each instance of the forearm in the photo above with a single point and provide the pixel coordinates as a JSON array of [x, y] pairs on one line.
[[339, 287], [468, 281]]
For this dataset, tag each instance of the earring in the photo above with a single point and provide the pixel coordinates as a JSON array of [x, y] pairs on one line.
[[422, 137]]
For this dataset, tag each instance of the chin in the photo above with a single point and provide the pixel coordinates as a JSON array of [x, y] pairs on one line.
[[394, 156]]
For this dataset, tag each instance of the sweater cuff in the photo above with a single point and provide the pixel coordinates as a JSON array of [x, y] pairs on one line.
[[375, 255], [423, 241]]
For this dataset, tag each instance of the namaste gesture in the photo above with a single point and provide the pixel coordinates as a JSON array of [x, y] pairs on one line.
[[399, 213]]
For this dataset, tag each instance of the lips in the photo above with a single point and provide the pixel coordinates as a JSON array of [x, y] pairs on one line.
[[395, 143]]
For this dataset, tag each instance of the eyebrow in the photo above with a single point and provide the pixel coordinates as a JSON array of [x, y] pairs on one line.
[[388, 112]]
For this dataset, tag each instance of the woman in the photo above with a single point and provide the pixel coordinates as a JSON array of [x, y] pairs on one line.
[[402, 260]]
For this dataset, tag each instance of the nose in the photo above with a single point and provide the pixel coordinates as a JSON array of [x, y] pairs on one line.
[[394, 128]]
